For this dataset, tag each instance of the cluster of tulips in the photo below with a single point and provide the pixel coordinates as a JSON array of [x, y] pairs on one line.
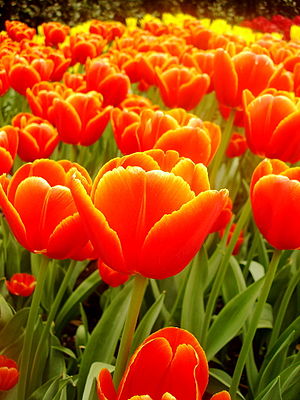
[[140, 150]]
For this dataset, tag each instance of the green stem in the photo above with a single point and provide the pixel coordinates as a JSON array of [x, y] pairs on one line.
[[156, 292], [269, 277], [222, 149], [28, 339], [218, 281], [137, 295], [251, 253], [37, 368], [283, 307]]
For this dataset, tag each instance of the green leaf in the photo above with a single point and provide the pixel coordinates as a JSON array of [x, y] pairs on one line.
[[6, 312], [273, 391], [231, 319], [257, 270], [80, 293], [193, 303], [89, 392], [220, 380], [13, 329], [276, 363], [290, 385], [266, 318], [234, 281], [65, 351], [105, 336], [145, 326]]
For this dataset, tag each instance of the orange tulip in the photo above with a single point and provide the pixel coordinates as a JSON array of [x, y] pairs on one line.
[[84, 46], [9, 373], [9, 141], [21, 284], [182, 87], [237, 145], [246, 70], [4, 81], [55, 33], [272, 125], [275, 199], [150, 61], [109, 276], [173, 130], [18, 30], [138, 214], [40, 210], [37, 137], [80, 118], [105, 79], [109, 30], [169, 365]]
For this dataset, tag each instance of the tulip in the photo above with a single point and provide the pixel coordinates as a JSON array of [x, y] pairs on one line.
[[21, 284], [240, 239], [4, 81], [18, 30], [246, 70], [237, 145], [37, 137], [9, 141], [173, 130], [182, 87], [40, 210], [80, 118], [105, 79], [109, 30], [138, 214], [169, 365], [9, 373], [275, 198], [109, 276], [272, 125], [84, 46], [55, 33]]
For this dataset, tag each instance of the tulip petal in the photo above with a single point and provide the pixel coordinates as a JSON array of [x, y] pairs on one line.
[[105, 386], [275, 204], [133, 200], [103, 237], [167, 248], [195, 175], [221, 396], [13, 219]]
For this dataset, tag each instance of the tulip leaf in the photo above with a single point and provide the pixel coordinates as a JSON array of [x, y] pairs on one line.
[[6, 312], [231, 319], [145, 326], [274, 366], [257, 270], [89, 392], [105, 336], [220, 380], [193, 303], [15, 326], [234, 281], [273, 391], [70, 307]]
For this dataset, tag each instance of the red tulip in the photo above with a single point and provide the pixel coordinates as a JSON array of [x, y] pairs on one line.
[[55, 33], [237, 145], [240, 239], [138, 214], [21, 284], [18, 30], [169, 365], [9, 141], [9, 373], [80, 118], [84, 46], [272, 124], [109, 276], [109, 30], [182, 87], [4, 81], [275, 198], [40, 210], [37, 137]]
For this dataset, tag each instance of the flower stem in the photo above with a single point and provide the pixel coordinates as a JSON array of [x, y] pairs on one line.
[[218, 281], [269, 277], [222, 149], [137, 295], [29, 332], [37, 368]]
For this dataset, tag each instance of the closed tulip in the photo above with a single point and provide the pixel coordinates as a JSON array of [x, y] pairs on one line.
[[9, 373], [80, 118], [55, 33], [169, 365], [9, 142], [40, 210], [182, 87], [138, 214], [37, 137], [21, 284], [275, 199], [272, 125]]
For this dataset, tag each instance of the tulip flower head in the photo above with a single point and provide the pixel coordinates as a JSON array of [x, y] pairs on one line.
[[169, 365], [9, 373], [138, 213], [9, 142], [275, 199], [40, 210], [21, 284]]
